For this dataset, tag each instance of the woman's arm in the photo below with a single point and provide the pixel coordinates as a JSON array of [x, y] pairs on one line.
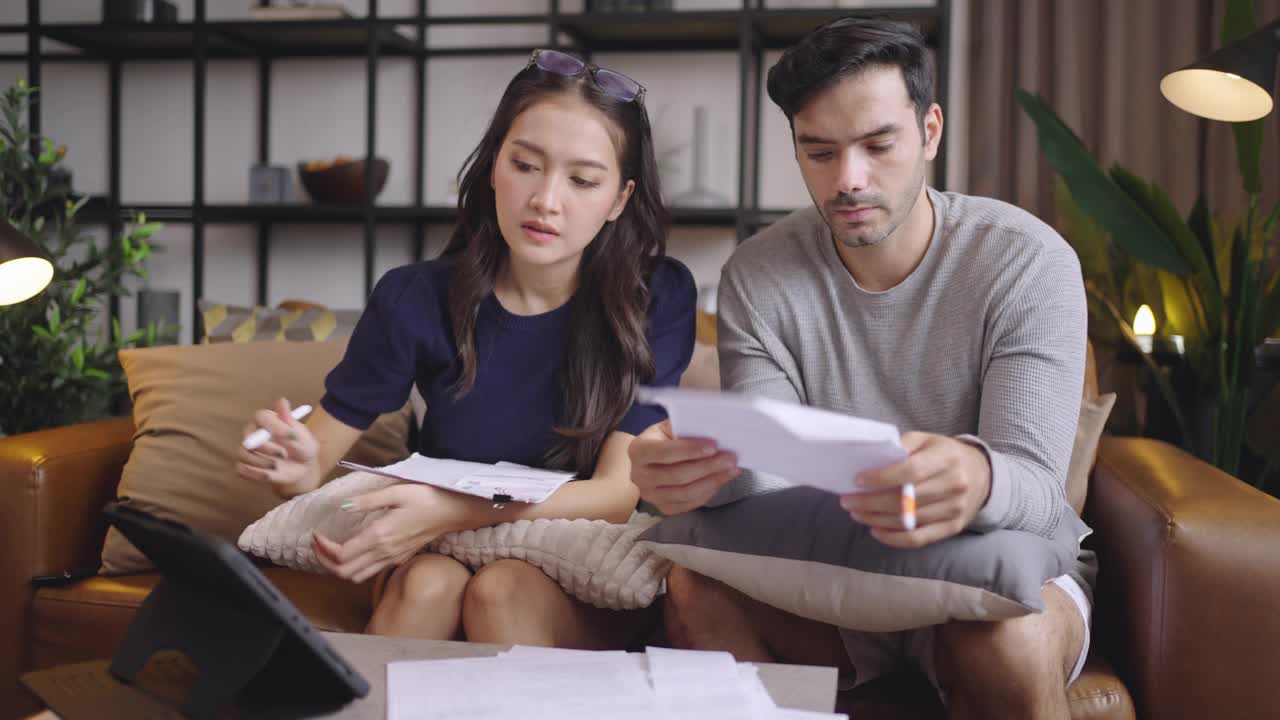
[[417, 514], [607, 495]]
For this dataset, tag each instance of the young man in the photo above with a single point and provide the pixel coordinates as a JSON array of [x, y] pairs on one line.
[[959, 318]]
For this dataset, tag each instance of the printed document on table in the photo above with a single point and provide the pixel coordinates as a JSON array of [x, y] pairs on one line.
[[503, 480], [804, 445], [518, 687], [694, 685], [551, 684]]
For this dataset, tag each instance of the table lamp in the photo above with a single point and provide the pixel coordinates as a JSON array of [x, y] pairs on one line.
[[24, 268]]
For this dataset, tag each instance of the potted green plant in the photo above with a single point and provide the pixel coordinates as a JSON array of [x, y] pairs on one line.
[[1212, 278], [58, 362]]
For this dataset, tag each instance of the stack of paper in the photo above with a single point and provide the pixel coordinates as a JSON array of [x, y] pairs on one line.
[[502, 482], [538, 684]]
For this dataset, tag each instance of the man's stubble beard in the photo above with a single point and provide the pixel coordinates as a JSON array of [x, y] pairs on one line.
[[907, 202]]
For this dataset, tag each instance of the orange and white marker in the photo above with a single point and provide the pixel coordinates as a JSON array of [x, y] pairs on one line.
[[909, 506]]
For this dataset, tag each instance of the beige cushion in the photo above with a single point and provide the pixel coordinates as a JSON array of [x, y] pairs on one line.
[[795, 549], [283, 535], [703, 372], [593, 560], [191, 404], [598, 562], [1093, 419], [297, 320]]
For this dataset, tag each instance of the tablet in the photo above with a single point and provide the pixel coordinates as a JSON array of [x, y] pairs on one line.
[[216, 583]]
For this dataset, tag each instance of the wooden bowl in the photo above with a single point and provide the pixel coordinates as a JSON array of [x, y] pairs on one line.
[[343, 182]]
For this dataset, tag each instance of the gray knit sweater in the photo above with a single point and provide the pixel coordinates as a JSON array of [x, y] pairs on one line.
[[984, 341]]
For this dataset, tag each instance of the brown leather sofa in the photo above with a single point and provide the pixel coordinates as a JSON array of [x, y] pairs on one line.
[[1187, 623]]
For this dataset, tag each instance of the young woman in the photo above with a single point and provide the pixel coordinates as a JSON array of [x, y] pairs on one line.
[[553, 301]]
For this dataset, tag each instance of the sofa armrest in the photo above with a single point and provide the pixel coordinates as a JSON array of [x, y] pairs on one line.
[[1189, 574], [53, 484]]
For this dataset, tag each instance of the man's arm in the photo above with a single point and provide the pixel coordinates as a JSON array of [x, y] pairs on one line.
[[1031, 397], [1011, 474], [753, 361], [678, 475]]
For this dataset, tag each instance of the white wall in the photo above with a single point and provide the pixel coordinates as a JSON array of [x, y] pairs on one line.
[[318, 111]]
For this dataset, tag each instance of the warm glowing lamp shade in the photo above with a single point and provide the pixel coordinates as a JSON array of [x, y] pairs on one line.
[[1144, 321], [24, 270], [1233, 84]]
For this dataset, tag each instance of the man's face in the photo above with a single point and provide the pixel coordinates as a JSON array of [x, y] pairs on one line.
[[863, 155]]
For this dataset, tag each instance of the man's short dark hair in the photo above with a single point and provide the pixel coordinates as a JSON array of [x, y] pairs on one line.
[[847, 46]]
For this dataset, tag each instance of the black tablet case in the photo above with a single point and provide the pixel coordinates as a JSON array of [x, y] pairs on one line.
[[248, 651]]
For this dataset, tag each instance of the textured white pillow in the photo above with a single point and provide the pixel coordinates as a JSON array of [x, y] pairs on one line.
[[283, 535], [595, 561]]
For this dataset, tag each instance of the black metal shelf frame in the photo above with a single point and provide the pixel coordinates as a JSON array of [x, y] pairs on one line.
[[749, 31], [98, 210]]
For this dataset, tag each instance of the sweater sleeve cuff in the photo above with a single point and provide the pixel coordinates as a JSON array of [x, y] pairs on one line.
[[991, 516]]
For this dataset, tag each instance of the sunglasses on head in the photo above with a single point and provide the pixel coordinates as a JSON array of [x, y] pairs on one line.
[[612, 83]]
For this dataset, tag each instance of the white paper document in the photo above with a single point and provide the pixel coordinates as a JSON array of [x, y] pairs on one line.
[[530, 687], [690, 684], [502, 482], [547, 684], [802, 444]]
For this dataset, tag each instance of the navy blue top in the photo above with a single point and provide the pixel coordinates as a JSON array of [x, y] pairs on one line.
[[404, 335]]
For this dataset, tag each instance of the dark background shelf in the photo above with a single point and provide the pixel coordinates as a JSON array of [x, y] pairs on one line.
[[748, 31], [97, 211], [654, 31], [782, 28], [591, 32], [176, 41]]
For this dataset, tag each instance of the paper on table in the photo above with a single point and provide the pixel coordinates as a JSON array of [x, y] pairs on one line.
[[503, 480], [552, 684], [712, 686], [530, 687], [525, 651], [692, 684], [802, 444]]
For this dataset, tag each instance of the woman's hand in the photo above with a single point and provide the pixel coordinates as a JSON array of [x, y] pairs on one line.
[[416, 515], [288, 461]]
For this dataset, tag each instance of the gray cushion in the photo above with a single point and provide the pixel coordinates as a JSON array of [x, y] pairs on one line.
[[797, 550]]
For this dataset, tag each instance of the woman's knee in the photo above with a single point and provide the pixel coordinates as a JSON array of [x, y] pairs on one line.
[[426, 579], [497, 587]]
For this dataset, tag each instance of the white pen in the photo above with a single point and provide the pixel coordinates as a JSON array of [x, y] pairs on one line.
[[261, 435]]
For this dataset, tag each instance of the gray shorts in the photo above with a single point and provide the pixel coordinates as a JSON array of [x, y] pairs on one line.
[[873, 654]]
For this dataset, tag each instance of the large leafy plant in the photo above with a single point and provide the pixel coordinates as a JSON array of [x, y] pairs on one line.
[[1211, 277], [58, 362]]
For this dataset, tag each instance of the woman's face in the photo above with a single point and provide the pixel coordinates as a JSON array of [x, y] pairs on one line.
[[556, 181]]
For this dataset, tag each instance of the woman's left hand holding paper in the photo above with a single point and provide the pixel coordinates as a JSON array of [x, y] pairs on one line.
[[416, 515]]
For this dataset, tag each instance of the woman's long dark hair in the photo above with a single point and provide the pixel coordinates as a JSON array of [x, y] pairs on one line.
[[606, 353]]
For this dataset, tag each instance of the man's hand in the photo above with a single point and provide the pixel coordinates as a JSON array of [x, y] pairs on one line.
[[678, 475], [952, 480]]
